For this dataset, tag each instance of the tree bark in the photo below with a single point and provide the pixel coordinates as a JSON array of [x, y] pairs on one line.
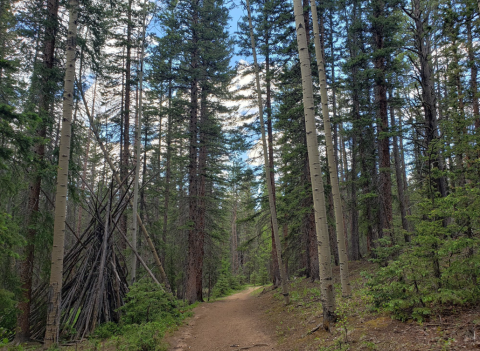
[[268, 104], [429, 98], [168, 166], [473, 74], [26, 268], [192, 261], [332, 166], [85, 161], [56, 273], [271, 200], [202, 170], [126, 115], [234, 237], [398, 176], [328, 297], [385, 180], [138, 151]]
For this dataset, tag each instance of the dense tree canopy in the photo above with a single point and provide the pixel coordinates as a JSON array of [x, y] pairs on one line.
[[164, 187]]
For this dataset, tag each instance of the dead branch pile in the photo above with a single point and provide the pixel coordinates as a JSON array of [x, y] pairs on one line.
[[95, 275]]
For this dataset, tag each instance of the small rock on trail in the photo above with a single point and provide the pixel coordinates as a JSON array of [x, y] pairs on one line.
[[233, 323]]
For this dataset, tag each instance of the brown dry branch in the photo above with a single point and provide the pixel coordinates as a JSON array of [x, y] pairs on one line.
[[95, 274]]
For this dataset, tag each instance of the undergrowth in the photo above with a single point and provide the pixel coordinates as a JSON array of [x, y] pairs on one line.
[[149, 312], [439, 270], [227, 283]]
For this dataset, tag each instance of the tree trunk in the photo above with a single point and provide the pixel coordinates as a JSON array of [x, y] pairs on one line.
[[234, 237], [276, 278], [357, 142], [385, 180], [331, 226], [328, 296], [101, 271], [138, 151], [55, 291], [398, 176], [192, 263], [332, 166], [126, 116], [355, 236], [473, 74], [85, 162], [201, 207], [26, 268], [168, 166], [271, 200], [429, 99]]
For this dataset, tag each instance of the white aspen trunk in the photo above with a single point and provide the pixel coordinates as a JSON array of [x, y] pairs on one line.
[[273, 211], [332, 166], [326, 281], [56, 272]]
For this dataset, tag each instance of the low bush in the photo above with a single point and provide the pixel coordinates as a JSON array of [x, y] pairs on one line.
[[8, 314], [147, 314], [440, 268]]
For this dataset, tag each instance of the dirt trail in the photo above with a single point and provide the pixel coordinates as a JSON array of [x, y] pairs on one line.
[[232, 324]]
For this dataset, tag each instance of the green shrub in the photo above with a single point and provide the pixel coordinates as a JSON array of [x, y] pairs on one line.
[[8, 314], [147, 302], [107, 330], [222, 288], [145, 337], [148, 313], [440, 268]]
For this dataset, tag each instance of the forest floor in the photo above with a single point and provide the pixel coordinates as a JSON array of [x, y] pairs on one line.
[[258, 319], [360, 326]]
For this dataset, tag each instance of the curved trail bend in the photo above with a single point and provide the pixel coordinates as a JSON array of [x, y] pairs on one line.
[[231, 324]]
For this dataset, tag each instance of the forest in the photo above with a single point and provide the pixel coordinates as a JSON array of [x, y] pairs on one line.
[[155, 154]]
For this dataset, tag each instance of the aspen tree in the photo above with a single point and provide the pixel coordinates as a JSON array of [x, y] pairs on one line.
[[56, 273], [326, 281], [273, 211], [332, 166]]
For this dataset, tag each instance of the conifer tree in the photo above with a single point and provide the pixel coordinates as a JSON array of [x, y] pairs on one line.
[[267, 164]]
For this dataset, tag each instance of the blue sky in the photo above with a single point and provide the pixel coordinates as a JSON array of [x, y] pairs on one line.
[[235, 15]]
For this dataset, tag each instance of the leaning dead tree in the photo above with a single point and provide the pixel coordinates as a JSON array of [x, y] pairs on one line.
[[95, 274]]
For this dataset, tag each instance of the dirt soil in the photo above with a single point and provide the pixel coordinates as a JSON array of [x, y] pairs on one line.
[[233, 323]]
